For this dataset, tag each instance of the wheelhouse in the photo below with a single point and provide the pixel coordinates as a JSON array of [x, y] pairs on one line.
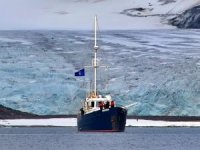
[[98, 103]]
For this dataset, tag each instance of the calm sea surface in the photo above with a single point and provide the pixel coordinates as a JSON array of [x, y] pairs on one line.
[[67, 138]]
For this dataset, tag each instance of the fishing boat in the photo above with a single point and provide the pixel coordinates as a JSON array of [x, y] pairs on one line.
[[99, 113]]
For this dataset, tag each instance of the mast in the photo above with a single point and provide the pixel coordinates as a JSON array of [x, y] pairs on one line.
[[95, 56]]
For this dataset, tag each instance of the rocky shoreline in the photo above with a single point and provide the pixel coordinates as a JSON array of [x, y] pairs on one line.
[[9, 113]]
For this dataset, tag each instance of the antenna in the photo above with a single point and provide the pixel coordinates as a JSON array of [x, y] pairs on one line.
[[95, 33]]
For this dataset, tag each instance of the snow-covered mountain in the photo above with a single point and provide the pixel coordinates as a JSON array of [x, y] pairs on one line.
[[77, 14], [189, 19]]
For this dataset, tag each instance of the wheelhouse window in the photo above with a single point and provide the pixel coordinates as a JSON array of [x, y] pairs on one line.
[[92, 104]]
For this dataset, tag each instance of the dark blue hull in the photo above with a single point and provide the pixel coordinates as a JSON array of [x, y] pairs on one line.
[[111, 120]]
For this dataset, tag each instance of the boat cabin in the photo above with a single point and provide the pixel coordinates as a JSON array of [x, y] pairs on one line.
[[98, 103]]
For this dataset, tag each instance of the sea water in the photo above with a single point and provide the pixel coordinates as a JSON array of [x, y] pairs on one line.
[[68, 138]]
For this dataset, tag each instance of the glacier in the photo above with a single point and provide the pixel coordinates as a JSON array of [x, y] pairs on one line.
[[157, 69]]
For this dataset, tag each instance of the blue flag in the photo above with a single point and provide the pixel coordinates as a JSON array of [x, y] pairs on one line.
[[80, 73]]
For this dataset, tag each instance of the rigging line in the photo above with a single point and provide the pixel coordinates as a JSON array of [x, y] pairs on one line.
[[99, 35], [105, 86], [100, 41]]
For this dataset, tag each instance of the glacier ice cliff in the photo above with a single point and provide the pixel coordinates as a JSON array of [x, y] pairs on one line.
[[157, 69]]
